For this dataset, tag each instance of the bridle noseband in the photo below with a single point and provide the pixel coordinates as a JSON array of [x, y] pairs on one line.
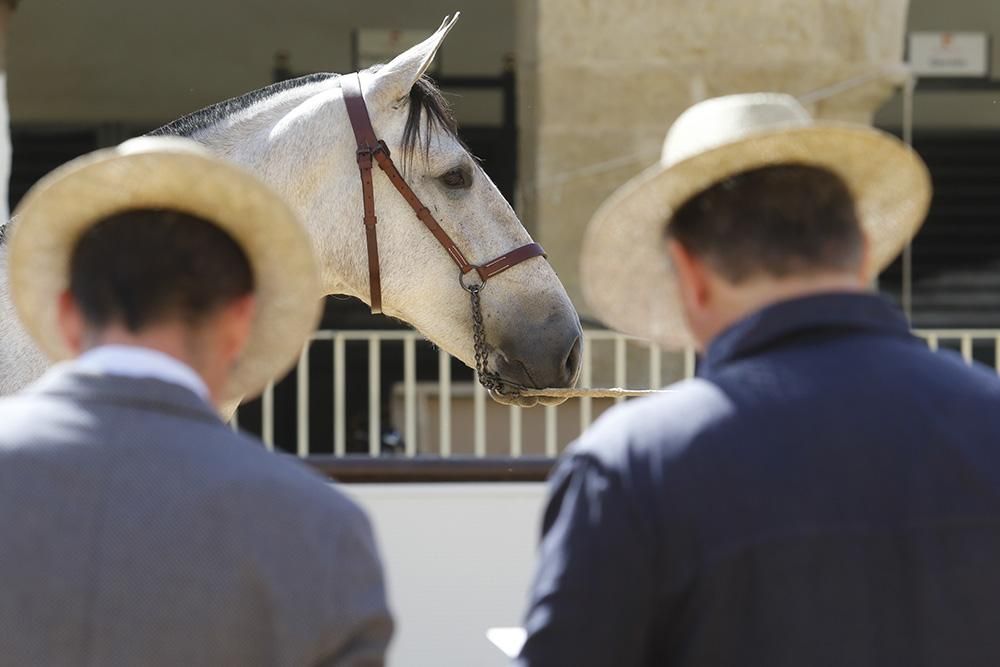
[[370, 148]]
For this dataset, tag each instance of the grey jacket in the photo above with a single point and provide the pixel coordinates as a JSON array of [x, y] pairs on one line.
[[137, 529]]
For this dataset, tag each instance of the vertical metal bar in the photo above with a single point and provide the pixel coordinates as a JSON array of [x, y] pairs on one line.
[[655, 367], [234, 423], [374, 396], [620, 364], [410, 394], [515, 431], [302, 403], [932, 341], [996, 353], [967, 348], [267, 416], [339, 397], [479, 417], [586, 410], [689, 362], [907, 292], [551, 431], [444, 402]]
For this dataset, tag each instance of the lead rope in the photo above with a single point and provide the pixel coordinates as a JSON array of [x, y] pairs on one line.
[[494, 383]]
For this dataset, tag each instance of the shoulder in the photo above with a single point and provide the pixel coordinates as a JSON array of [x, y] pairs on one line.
[[231, 470], [285, 482], [324, 535], [664, 425], [973, 375], [305, 484], [918, 372], [636, 447], [279, 488], [258, 496], [36, 417]]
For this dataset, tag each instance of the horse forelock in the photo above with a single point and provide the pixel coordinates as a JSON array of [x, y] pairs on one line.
[[427, 101]]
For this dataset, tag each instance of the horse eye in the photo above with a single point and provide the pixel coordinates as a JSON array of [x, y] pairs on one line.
[[456, 178]]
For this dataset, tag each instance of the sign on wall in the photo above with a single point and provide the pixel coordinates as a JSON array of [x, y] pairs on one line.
[[379, 45], [950, 54]]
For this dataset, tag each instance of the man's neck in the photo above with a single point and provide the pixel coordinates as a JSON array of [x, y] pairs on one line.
[[736, 302], [174, 340], [142, 362]]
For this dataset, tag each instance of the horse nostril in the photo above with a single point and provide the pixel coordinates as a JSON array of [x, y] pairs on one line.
[[572, 364]]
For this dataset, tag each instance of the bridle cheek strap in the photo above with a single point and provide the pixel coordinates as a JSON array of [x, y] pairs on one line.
[[370, 147], [367, 145]]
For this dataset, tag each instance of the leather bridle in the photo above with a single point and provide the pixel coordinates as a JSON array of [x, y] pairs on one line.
[[370, 148]]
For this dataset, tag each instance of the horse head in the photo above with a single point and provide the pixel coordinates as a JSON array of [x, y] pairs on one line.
[[307, 151]]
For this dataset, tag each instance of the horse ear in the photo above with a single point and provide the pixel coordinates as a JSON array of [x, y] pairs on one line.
[[393, 81]]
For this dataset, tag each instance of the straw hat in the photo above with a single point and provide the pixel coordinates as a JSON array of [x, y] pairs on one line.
[[176, 174], [626, 272]]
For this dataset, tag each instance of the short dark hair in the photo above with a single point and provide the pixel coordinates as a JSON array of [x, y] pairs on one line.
[[148, 266], [777, 221]]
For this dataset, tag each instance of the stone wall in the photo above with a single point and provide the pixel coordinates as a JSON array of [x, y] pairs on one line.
[[600, 83]]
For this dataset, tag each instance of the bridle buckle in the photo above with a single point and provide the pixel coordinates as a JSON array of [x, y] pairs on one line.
[[472, 288]]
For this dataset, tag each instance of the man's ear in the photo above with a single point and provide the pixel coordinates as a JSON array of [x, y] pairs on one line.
[[867, 273], [237, 323], [71, 323], [692, 276]]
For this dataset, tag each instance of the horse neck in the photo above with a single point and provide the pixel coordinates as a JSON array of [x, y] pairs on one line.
[[246, 138], [243, 136], [20, 360]]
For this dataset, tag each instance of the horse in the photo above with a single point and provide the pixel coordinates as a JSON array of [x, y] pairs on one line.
[[297, 137]]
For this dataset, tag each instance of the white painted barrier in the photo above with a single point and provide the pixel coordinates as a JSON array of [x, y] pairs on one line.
[[446, 418], [459, 559]]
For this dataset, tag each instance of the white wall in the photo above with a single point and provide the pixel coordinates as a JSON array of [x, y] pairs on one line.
[[459, 559], [146, 62]]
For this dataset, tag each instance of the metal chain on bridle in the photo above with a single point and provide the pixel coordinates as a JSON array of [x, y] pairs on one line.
[[373, 150], [488, 379]]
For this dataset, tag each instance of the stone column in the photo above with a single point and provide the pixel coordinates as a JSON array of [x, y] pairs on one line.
[[600, 83]]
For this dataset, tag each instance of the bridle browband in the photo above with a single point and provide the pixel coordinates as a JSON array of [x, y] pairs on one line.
[[370, 148]]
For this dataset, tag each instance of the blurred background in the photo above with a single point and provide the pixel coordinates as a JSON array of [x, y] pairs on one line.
[[563, 100]]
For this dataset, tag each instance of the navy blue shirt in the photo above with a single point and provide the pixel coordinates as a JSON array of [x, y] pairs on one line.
[[826, 492]]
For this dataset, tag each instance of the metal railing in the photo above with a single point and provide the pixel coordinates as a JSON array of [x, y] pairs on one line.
[[442, 417]]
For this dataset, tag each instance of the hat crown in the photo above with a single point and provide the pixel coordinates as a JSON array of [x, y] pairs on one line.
[[724, 120]]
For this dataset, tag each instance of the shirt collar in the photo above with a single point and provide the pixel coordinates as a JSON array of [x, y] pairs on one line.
[[836, 310], [141, 362]]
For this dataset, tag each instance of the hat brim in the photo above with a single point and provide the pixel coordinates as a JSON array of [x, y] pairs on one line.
[[626, 272], [62, 206]]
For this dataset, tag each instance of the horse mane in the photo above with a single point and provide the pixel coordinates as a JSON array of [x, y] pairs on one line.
[[195, 122], [426, 100]]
